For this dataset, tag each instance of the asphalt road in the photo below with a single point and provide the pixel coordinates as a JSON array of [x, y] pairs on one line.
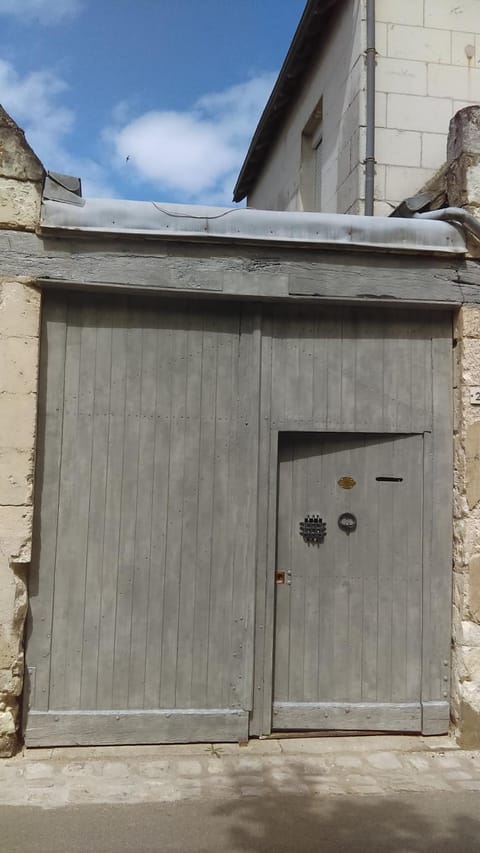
[[427, 822]]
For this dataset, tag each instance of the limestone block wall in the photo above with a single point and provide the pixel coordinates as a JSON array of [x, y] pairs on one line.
[[466, 568], [428, 68], [21, 179], [336, 79]]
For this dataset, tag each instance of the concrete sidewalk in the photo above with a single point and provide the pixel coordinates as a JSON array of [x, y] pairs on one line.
[[333, 766]]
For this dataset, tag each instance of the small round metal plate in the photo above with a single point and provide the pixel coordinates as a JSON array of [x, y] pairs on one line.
[[347, 522], [346, 482]]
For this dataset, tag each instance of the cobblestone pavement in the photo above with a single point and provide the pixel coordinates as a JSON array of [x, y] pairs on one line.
[[51, 778]]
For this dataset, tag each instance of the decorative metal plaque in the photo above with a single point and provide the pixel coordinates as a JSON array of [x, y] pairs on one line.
[[346, 482], [347, 522], [313, 529]]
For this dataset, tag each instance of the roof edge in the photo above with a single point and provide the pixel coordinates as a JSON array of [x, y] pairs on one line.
[[143, 219], [304, 41]]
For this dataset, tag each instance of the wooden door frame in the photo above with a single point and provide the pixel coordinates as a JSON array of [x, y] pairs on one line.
[[436, 564]]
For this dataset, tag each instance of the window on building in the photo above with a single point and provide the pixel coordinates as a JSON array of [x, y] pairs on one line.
[[311, 161]]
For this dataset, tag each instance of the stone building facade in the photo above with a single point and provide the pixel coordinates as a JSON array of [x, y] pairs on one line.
[[427, 68], [21, 181], [462, 185]]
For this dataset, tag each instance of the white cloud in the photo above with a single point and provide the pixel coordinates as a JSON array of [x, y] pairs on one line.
[[33, 102], [42, 11], [194, 155], [188, 156]]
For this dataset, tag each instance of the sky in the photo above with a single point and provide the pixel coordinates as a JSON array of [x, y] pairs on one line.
[[143, 99]]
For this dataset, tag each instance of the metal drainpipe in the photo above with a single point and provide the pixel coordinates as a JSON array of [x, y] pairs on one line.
[[370, 142]]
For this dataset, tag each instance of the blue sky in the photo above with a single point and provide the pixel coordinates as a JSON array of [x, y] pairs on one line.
[[143, 99]]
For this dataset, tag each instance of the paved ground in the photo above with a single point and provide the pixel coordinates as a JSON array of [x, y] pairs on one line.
[[309, 766], [406, 823], [392, 794]]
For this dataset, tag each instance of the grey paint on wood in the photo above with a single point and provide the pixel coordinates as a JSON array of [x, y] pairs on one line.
[[349, 621], [347, 371], [115, 728], [149, 572], [437, 592], [435, 717], [156, 509], [241, 272], [49, 433], [318, 716]]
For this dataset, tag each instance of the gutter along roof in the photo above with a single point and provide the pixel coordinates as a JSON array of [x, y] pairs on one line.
[[305, 41], [195, 223]]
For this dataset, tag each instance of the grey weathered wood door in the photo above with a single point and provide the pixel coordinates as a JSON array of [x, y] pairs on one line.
[[348, 640], [142, 585]]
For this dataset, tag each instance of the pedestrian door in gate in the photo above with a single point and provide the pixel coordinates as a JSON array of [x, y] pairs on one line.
[[348, 636]]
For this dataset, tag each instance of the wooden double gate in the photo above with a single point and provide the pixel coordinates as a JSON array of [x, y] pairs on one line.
[[242, 521]]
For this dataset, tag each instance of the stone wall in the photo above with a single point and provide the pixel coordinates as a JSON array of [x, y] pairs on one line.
[[466, 574], [337, 79], [463, 189], [21, 180], [428, 54]]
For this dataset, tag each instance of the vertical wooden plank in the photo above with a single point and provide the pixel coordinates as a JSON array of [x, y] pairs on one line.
[[392, 330], [114, 498], [405, 462], [188, 564], [173, 544], [420, 373], [385, 528], [159, 531], [324, 587], [331, 328], [144, 521], [244, 507], [285, 563], [47, 479], [358, 547], [437, 557], [266, 525], [368, 496], [278, 365], [369, 346], [414, 566], [404, 370], [219, 656], [400, 452], [348, 390], [313, 569], [300, 504], [128, 511], [206, 462], [292, 379], [72, 533], [96, 511], [320, 372], [306, 401]]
